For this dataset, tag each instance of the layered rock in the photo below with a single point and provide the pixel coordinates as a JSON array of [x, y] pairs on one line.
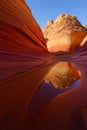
[[64, 34], [23, 56], [68, 111], [24, 61]]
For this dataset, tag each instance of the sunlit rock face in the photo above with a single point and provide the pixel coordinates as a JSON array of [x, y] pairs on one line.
[[65, 33], [62, 75], [24, 62]]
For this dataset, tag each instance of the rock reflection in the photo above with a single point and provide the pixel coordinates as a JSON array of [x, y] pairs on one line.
[[63, 75], [61, 78]]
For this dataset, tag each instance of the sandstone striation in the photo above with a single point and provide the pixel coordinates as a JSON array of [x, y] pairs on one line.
[[25, 60], [65, 33], [23, 54]]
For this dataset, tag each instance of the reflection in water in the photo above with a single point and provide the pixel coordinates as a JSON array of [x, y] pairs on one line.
[[62, 75], [24, 61], [44, 95]]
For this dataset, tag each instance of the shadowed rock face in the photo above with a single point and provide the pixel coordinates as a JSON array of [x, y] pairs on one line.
[[24, 61], [68, 110], [23, 56], [65, 33]]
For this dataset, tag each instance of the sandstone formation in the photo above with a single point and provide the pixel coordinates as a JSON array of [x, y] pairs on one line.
[[65, 33], [68, 111], [24, 61], [23, 56]]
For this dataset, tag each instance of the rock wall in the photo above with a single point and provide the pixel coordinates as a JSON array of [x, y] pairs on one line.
[[24, 61], [65, 33]]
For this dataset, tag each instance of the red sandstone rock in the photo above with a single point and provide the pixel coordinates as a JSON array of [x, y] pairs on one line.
[[66, 111], [24, 61], [65, 33]]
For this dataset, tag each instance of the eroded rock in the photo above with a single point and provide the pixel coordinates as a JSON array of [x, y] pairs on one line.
[[64, 34]]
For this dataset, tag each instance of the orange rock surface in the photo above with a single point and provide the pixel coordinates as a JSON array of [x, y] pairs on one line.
[[67, 111], [24, 61], [65, 33]]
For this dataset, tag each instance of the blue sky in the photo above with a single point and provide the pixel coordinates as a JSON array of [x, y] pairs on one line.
[[44, 10]]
